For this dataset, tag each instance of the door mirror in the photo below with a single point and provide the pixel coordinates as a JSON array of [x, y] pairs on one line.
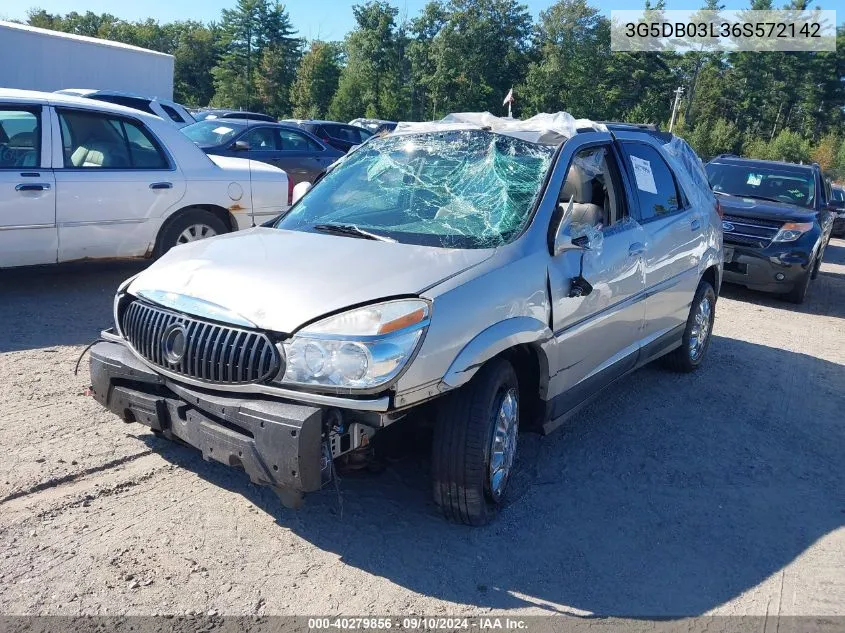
[[836, 205], [571, 236], [300, 190], [240, 146]]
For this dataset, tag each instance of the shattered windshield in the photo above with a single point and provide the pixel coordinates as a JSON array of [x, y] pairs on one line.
[[456, 189]]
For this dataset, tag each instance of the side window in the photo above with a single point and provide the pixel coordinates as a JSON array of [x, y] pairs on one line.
[[344, 133], [294, 141], [98, 141], [171, 113], [262, 139], [20, 137], [653, 181], [592, 183]]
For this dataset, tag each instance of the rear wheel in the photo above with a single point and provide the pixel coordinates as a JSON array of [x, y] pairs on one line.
[[189, 226], [696, 338], [474, 445]]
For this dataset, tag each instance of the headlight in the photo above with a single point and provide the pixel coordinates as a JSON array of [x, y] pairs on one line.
[[359, 349], [791, 231]]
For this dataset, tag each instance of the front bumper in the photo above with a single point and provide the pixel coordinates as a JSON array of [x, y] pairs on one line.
[[276, 443], [774, 269]]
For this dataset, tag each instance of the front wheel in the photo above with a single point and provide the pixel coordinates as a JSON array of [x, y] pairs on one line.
[[474, 446], [696, 338], [798, 294]]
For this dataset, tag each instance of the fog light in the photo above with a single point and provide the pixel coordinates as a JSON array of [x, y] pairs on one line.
[[780, 276]]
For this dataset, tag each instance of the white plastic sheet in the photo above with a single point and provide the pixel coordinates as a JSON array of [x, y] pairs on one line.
[[546, 128]]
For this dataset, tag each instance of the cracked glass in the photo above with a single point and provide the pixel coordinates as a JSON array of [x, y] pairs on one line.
[[455, 189]]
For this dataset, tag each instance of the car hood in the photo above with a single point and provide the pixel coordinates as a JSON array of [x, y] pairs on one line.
[[243, 166], [280, 280], [764, 209]]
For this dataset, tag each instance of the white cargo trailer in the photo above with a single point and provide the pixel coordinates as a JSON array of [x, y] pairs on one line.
[[40, 59]]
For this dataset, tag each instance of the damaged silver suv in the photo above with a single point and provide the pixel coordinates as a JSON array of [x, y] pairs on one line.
[[486, 275]]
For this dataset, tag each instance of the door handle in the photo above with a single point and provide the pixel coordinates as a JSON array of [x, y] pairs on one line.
[[161, 185], [695, 225], [32, 186], [636, 249]]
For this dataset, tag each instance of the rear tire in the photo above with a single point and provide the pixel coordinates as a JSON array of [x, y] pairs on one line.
[[475, 444], [690, 354], [188, 226]]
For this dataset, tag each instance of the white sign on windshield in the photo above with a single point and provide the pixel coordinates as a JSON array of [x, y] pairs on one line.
[[222, 130], [754, 179]]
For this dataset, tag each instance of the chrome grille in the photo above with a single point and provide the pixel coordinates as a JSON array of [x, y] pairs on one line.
[[750, 231], [213, 352]]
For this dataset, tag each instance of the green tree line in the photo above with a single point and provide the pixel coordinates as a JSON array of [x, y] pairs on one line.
[[464, 55]]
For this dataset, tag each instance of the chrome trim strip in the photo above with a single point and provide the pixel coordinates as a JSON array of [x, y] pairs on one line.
[[193, 307], [100, 222], [373, 404], [14, 227]]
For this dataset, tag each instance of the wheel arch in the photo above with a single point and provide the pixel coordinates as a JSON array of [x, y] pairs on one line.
[[520, 341], [713, 276], [220, 212]]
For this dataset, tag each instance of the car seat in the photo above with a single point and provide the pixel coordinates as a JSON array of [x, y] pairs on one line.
[[579, 187]]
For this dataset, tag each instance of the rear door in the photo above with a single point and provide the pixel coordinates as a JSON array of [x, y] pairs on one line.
[[675, 239], [114, 184], [28, 232]]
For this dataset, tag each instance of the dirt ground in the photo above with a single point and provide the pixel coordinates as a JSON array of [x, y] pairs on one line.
[[719, 492]]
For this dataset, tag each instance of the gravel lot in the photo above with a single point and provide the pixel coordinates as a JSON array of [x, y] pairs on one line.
[[718, 492]]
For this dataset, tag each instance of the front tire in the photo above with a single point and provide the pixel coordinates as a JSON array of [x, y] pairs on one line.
[[188, 226], [474, 445], [798, 294], [697, 334]]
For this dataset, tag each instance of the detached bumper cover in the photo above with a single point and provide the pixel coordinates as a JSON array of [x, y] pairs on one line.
[[276, 443]]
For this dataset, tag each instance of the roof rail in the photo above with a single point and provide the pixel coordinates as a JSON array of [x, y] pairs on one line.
[[652, 127]]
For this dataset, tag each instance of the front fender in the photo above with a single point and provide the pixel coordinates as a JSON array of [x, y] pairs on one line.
[[492, 341]]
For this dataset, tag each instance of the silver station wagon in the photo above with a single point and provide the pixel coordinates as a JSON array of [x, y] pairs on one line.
[[482, 275]]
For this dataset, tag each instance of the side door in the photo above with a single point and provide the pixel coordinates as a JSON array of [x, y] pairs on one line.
[[263, 144], [675, 240], [28, 232], [115, 183], [301, 157], [597, 335]]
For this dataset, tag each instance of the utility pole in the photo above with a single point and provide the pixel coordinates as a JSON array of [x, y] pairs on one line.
[[676, 106]]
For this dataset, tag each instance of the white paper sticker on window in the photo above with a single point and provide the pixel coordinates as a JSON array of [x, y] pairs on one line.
[[754, 179], [222, 130], [643, 174]]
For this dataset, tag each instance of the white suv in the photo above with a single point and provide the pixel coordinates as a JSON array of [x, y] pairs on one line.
[[81, 179], [168, 110]]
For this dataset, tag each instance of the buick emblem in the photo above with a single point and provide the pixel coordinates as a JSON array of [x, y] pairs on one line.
[[174, 342], [727, 226]]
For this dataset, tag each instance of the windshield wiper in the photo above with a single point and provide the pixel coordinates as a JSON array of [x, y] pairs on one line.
[[352, 231], [748, 195]]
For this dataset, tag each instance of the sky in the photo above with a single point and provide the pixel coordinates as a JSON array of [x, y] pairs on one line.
[[314, 19]]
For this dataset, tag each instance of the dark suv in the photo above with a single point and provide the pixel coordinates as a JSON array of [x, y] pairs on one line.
[[838, 199], [777, 221]]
